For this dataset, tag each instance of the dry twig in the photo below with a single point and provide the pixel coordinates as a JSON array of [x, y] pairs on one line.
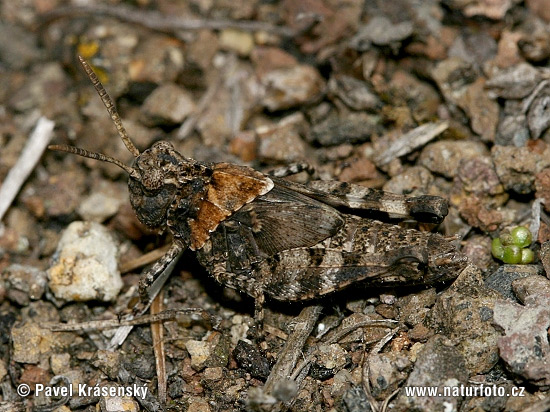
[[286, 360], [163, 23], [157, 333], [115, 323], [143, 260], [189, 124], [365, 370], [410, 141], [39, 139]]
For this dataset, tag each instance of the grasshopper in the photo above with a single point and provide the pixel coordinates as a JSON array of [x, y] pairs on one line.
[[264, 235]]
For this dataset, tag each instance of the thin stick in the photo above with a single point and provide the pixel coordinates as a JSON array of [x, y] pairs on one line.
[[39, 139], [189, 124], [157, 333], [157, 21], [115, 323], [143, 260], [410, 141], [287, 358], [337, 334]]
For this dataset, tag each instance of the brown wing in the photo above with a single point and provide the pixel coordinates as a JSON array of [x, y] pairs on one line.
[[284, 219], [229, 189]]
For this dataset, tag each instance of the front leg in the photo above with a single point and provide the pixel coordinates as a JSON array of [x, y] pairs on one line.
[[154, 278], [149, 286]]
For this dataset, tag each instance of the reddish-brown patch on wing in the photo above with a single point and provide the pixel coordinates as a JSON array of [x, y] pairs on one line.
[[230, 188], [208, 218]]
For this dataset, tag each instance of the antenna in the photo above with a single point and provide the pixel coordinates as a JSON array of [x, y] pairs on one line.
[[97, 156], [108, 102]]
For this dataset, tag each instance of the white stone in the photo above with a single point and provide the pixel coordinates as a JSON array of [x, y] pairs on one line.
[[86, 265]]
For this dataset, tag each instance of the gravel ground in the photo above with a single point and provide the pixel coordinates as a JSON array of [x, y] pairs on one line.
[[446, 98]]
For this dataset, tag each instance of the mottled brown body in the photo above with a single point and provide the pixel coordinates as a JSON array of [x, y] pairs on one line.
[[264, 235], [362, 250]]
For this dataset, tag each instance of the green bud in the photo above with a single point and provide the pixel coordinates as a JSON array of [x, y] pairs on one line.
[[527, 256], [522, 236], [507, 239], [497, 249], [512, 254]]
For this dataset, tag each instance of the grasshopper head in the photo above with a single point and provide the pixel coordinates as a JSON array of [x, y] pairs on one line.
[[161, 175], [153, 178]]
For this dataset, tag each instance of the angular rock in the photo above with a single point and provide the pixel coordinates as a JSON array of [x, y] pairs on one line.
[[538, 114], [86, 264], [478, 250], [212, 352], [102, 203], [356, 94], [464, 313], [482, 111], [21, 49], [443, 157], [414, 307], [118, 403], [252, 360], [453, 76], [335, 130], [414, 181], [524, 346], [34, 344], [532, 290], [439, 364], [512, 130], [514, 82], [386, 372], [516, 167], [329, 360], [282, 142], [382, 32], [157, 59], [238, 41], [502, 279]]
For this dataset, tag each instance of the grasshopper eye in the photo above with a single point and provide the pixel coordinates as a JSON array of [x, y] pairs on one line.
[[153, 179], [151, 172]]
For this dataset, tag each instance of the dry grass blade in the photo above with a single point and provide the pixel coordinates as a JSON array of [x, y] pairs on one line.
[[189, 124], [115, 323], [143, 260], [289, 355], [157, 21], [157, 332], [337, 334], [410, 141]]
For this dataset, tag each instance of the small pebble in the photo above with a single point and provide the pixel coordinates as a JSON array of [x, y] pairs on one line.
[[236, 40], [168, 103], [99, 206], [289, 87], [24, 283]]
